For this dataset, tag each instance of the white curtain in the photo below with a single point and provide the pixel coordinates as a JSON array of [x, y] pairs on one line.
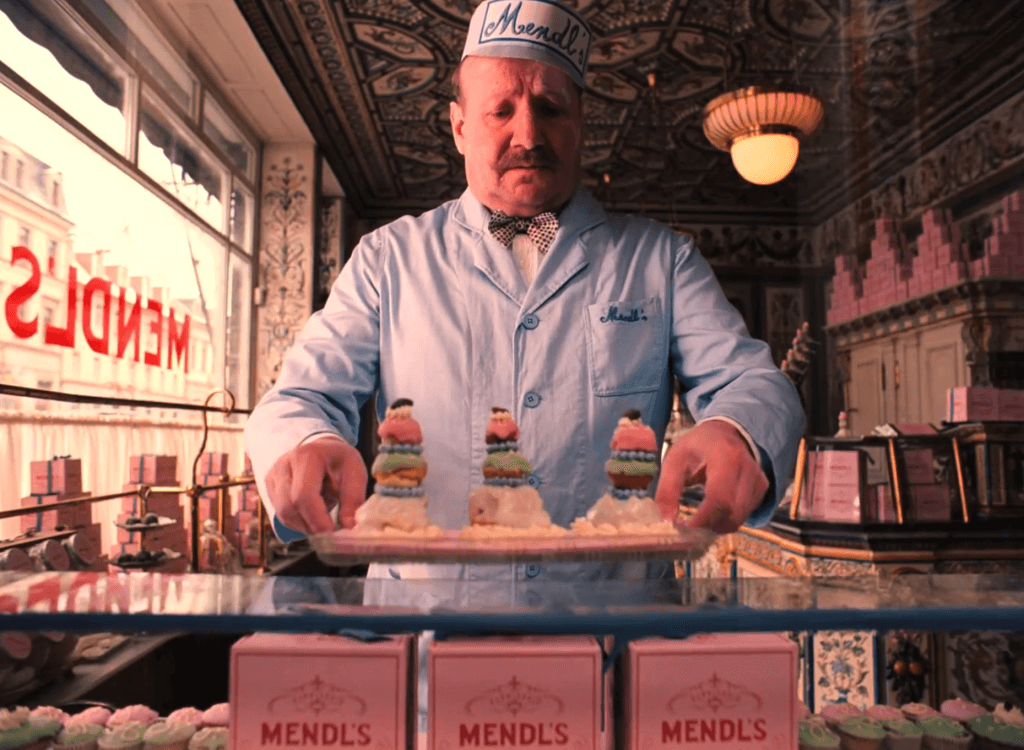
[[104, 444]]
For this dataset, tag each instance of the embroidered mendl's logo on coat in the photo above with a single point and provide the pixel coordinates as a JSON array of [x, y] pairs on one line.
[[615, 316]]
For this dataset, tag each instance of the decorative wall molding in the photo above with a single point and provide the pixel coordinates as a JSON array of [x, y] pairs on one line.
[[285, 256], [330, 254]]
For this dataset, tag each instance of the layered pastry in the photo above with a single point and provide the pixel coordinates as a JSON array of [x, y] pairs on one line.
[[398, 505], [627, 508], [506, 505]]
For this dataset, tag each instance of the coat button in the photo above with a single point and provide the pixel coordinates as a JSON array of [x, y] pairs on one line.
[[533, 480], [532, 399], [530, 321], [532, 571]]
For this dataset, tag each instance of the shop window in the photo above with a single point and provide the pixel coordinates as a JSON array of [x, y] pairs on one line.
[[134, 33], [24, 235], [19, 174], [218, 127], [241, 217], [51, 256], [4, 159], [179, 165], [50, 49]]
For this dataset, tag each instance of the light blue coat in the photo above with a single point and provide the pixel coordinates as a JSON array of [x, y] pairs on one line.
[[434, 309]]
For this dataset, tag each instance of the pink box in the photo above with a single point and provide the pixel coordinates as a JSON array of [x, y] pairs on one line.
[[480, 688], [1011, 405], [71, 516], [919, 466], [58, 476], [836, 479], [728, 691], [152, 469], [999, 265], [885, 508], [955, 273], [972, 404], [930, 502], [938, 279], [322, 691], [213, 463], [914, 428]]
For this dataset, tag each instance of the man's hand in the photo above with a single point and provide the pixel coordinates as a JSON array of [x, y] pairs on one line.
[[715, 453], [312, 478]]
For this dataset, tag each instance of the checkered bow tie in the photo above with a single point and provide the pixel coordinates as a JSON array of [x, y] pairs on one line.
[[540, 228]]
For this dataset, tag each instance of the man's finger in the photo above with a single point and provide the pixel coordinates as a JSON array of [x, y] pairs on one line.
[[350, 482], [677, 471]]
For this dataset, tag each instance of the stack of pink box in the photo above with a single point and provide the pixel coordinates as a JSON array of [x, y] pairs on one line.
[[929, 499], [159, 471], [940, 261], [977, 404], [247, 525], [887, 274], [54, 481], [1004, 250], [847, 290]]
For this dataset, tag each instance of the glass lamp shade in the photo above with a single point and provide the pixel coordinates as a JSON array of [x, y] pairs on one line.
[[766, 158]]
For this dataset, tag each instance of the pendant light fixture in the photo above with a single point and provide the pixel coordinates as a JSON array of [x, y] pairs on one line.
[[761, 126]]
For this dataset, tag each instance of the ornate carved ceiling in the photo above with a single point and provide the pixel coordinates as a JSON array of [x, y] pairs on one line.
[[371, 78]]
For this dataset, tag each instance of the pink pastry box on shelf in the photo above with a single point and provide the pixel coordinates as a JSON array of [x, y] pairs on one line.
[[525, 691], [323, 691], [727, 691]]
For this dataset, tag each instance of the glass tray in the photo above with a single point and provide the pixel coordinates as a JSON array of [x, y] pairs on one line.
[[345, 547]]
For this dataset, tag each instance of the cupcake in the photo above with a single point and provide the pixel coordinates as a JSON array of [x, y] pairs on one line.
[[902, 734], [814, 735], [398, 501], [1007, 713], [189, 715], [78, 737], [834, 713], [218, 715], [124, 736], [209, 738], [960, 710], [883, 713], [15, 731], [168, 735], [92, 715], [506, 500], [52, 713], [943, 733], [634, 459], [44, 728], [992, 734], [918, 711], [861, 733], [137, 713]]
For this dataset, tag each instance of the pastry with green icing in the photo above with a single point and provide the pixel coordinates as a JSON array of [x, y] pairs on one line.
[[861, 733], [942, 733], [78, 737], [814, 735], [902, 734], [992, 734]]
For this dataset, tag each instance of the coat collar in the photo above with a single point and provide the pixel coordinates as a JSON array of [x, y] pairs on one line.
[[567, 256]]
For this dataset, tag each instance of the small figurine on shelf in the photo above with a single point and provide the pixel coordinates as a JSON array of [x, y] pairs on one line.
[[216, 553], [844, 426]]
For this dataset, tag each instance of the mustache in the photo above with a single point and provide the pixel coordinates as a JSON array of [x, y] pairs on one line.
[[540, 157]]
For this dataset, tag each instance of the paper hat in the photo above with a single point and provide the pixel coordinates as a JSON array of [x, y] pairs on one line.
[[540, 30]]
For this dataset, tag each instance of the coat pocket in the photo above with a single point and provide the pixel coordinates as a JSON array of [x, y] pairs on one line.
[[626, 346]]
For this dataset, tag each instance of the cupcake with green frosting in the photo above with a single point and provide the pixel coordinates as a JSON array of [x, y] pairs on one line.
[[15, 731], [78, 737], [993, 734], [127, 736], [168, 735], [902, 734], [942, 733], [814, 735], [210, 738], [861, 733], [45, 728]]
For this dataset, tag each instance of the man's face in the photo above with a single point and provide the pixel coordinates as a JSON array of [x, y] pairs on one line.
[[520, 126]]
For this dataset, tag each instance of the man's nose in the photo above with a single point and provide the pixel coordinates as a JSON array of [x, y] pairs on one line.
[[525, 133]]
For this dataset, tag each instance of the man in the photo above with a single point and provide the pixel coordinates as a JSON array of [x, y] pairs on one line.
[[568, 322]]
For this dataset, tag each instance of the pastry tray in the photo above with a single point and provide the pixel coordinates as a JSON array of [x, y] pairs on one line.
[[345, 547], [162, 522], [146, 564]]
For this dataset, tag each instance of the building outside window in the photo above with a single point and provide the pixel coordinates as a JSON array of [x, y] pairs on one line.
[[183, 176]]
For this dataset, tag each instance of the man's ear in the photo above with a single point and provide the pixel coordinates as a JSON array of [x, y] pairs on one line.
[[457, 118]]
